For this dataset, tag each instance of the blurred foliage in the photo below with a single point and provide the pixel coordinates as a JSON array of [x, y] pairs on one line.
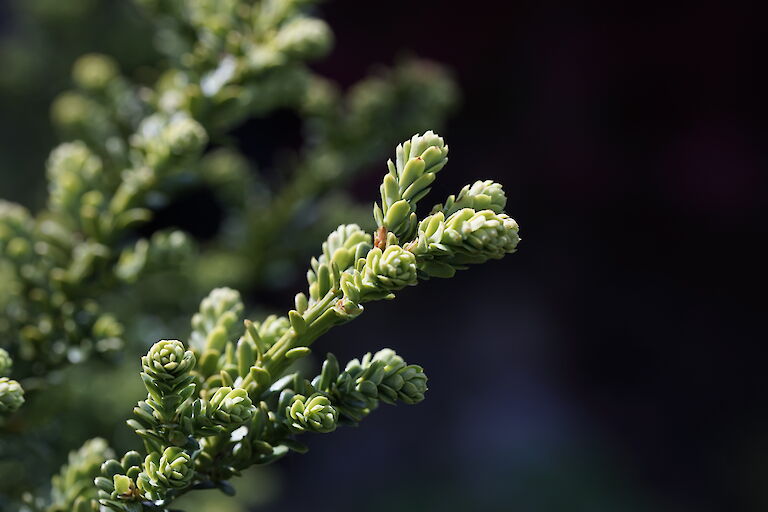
[[39, 42]]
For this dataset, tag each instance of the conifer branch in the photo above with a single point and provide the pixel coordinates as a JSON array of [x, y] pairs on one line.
[[226, 403]]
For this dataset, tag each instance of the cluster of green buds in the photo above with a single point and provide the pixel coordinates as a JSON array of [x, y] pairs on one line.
[[385, 271], [116, 485], [171, 470], [416, 165], [349, 132], [314, 413], [481, 195], [168, 362], [227, 410], [399, 380], [466, 237], [11, 395], [184, 419], [357, 390], [167, 376], [343, 248]]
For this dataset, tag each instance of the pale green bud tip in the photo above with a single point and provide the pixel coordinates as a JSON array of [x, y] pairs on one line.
[[124, 486], [94, 71], [344, 245], [231, 407], [400, 382], [485, 231], [11, 395], [489, 192], [315, 413], [174, 469], [6, 363], [167, 359], [417, 161], [466, 237], [481, 195], [420, 144], [410, 384], [395, 267], [390, 359]]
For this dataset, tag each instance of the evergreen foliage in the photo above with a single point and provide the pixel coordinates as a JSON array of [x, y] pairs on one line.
[[231, 396]]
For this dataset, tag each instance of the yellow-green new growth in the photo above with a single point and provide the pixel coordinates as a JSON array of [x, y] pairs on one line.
[[380, 274], [481, 195], [174, 469], [117, 488], [315, 413], [417, 162], [344, 246], [168, 360], [230, 408], [466, 237], [400, 381]]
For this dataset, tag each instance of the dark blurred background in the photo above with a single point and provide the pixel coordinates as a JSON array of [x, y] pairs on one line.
[[613, 362]]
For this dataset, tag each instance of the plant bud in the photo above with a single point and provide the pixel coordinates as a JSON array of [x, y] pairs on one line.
[[230, 408], [481, 195], [315, 414], [11, 395], [168, 360], [388, 270], [124, 486], [173, 469]]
